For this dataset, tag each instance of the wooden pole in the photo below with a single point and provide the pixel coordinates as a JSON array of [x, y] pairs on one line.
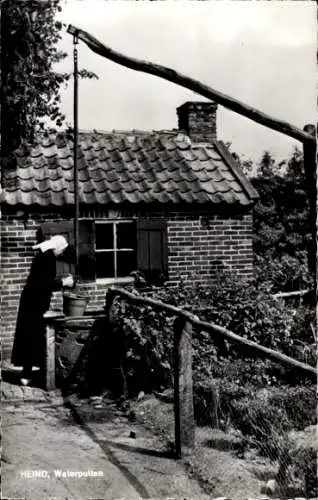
[[75, 154], [310, 152], [49, 356], [183, 387], [282, 295], [191, 84], [50, 318], [110, 296]]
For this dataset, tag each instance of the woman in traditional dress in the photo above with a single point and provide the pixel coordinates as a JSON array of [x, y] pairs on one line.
[[28, 347]]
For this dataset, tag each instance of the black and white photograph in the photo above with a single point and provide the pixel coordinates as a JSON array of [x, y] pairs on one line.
[[158, 250]]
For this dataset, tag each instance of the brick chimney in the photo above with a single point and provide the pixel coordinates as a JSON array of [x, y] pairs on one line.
[[198, 120]]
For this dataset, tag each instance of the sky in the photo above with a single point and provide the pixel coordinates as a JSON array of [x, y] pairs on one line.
[[262, 53]]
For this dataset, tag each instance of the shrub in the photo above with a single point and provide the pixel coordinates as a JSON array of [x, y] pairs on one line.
[[264, 425], [241, 306], [213, 401], [309, 467], [264, 417], [303, 461], [284, 273], [250, 311], [299, 403], [303, 327], [147, 339]]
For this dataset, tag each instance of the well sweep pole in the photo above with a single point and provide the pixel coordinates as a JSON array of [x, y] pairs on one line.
[[75, 157]]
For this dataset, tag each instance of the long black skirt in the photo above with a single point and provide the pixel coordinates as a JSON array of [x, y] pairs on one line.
[[29, 340]]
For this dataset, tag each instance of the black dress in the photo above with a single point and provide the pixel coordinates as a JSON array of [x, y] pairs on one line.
[[28, 347]]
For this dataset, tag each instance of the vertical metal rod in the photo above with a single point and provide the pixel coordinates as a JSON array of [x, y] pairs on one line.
[[75, 158]]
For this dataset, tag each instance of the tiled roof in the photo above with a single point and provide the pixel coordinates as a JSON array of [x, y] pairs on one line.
[[129, 167]]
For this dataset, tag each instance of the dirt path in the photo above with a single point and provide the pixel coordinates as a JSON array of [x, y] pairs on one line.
[[116, 458], [44, 438], [143, 454], [220, 472]]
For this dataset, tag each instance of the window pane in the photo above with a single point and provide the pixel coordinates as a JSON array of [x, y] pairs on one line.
[[105, 265], [104, 236], [126, 235], [126, 263]]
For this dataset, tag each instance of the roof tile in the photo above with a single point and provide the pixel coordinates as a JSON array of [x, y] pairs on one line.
[[127, 167]]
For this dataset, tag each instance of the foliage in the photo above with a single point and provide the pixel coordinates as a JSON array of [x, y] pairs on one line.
[[281, 224], [282, 237], [249, 310], [283, 273], [299, 404], [305, 463], [239, 305], [213, 400], [30, 33], [263, 416], [264, 419], [304, 326], [264, 426], [147, 339]]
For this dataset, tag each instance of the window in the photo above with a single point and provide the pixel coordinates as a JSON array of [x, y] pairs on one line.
[[115, 248]]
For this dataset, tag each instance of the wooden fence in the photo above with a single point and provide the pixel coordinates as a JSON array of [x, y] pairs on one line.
[[182, 356], [183, 385], [291, 298]]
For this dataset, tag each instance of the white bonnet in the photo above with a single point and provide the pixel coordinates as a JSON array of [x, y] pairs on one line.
[[57, 243]]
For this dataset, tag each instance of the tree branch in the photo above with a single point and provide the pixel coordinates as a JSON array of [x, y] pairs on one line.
[[191, 84]]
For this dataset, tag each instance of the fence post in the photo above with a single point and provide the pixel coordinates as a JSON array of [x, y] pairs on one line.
[[49, 356], [49, 346], [117, 344], [310, 156], [183, 387], [109, 299]]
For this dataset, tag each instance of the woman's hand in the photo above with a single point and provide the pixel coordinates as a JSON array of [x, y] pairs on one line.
[[68, 281]]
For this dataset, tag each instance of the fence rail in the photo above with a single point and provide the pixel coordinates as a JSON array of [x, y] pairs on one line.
[[286, 295], [183, 390]]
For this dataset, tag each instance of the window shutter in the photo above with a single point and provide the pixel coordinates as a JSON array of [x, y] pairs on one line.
[[86, 246], [65, 228], [152, 249], [87, 261]]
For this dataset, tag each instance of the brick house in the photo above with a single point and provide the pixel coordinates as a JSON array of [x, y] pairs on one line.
[[170, 203]]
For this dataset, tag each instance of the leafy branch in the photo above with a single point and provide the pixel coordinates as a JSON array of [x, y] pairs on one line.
[[31, 86]]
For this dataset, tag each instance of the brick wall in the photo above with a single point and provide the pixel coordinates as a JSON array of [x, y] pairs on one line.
[[199, 246]]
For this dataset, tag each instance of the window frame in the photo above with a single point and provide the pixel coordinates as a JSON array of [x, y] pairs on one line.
[[114, 250]]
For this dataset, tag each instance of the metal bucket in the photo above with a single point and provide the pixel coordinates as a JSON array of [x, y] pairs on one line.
[[74, 305]]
